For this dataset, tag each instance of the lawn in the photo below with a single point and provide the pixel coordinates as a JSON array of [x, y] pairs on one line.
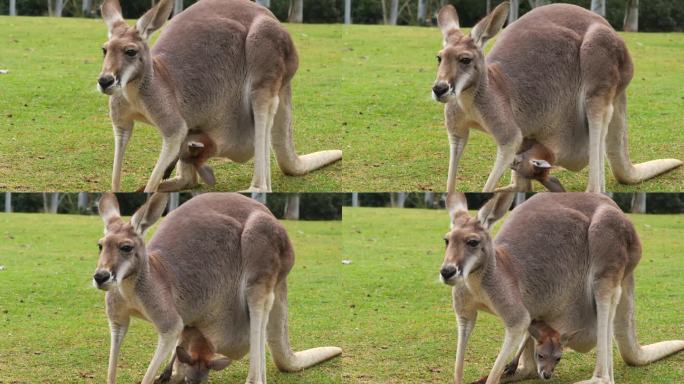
[[406, 329], [53, 328], [56, 132], [395, 137]]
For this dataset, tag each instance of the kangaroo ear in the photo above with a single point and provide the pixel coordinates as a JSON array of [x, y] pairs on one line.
[[490, 25], [149, 213], [457, 205], [447, 19], [183, 356], [111, 14], [154, 18], [495, 208], [108, 206], [219, 364], [540, 164]]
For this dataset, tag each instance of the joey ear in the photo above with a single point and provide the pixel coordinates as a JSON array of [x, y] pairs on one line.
[[533, 330], [495, 208], [540, 164], [149, 213], [111, 14], [154, 18], [490, 25], [219, 363], [457, 205], [108, 207], [447, 19], [207, 174], [183, 356]]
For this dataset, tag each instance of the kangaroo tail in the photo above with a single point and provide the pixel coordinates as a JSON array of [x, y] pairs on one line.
[[618, 154], [279, 343], [625, 333], [283, 146]]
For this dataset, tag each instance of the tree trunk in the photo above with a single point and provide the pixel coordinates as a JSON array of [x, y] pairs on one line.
[[59, 7], [260, 197], [397, 199], [54, 202], [513, 13], [347, 12], [631, 22], [394, 12], [8, 202], [519, 198], [173, 201], [639, 202], [50, 10], [421, 11], [489, 6], [429, 199], [292, 207], [265, 3], [177, 7], [537, 3], [355, 199], [13, 8], [82, 203], [296, 13], [599, 6], [85, 7]]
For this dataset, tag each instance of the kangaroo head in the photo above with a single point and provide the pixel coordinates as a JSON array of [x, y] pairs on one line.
[[548, 348], [122, 249], [469, 245], [461, 61], [194, 368], [127, 53]]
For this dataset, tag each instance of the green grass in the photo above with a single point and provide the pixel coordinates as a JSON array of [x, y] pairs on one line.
[[56, 131], [53, 328], [395, 135], [406, 329]]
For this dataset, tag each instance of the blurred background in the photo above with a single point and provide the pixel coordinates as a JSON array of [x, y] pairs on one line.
[[628, 15], [289, 206]]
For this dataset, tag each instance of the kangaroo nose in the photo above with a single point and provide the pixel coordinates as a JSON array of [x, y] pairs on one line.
[[447, 272], [546, 375], [101, 276], [440, 89], [105, 81]]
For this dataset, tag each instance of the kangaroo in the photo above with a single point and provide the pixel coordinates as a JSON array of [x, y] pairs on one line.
[[572, 267], [195, 356], [218, 263], [533, 161], [558, 74], [223, 68]]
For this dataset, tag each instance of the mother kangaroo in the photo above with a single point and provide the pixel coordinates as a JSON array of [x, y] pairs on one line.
[[557, 75], [567, 259], [218, 263]]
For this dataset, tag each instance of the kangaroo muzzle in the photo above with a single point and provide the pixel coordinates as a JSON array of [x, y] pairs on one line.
[[102, 279]]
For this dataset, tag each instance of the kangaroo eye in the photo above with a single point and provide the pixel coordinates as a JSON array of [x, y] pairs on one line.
[[446, 241], [439, 59], [131, 52], [557, 359], [99, 246], [465, 60], [104, 51], [540, 356], [126, 248], [473, 243]]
